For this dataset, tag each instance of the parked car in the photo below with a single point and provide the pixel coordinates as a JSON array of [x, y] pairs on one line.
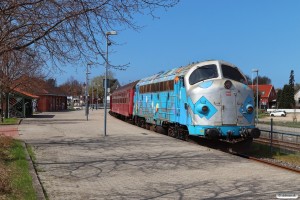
[[77, 107], [277, 113]]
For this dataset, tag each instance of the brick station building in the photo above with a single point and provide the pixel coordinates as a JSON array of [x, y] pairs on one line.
[[36, 96], [50, 98]]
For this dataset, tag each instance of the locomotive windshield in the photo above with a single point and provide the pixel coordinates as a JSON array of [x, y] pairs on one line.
[[233, 73], [203, 73]]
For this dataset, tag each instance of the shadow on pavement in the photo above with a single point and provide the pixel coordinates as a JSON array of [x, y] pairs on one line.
[[41, 116], [147, 170]]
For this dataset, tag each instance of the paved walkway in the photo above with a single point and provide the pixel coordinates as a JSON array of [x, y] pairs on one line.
[[75, 161], [9, 130]]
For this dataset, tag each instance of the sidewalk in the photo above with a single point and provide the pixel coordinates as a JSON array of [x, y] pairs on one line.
[[9, 130], [75, 161]]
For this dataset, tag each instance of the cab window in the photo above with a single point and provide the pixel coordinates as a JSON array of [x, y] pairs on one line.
[[232, 73], [203, 73]]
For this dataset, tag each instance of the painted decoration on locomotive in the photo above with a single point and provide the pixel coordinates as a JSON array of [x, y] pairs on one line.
[[209, 99]]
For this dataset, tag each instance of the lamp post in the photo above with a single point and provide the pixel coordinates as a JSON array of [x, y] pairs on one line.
[[256, 70], [92, 101], [97, 97], [86, 92], [108, 43]]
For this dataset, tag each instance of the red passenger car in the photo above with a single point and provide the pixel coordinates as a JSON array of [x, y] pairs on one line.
[[121, 100]]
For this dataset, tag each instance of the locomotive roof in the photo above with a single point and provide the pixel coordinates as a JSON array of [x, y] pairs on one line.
[[171, 74], [165, 75]]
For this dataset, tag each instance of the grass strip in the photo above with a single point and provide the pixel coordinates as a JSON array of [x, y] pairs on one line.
[[9, 121], [15, 165]]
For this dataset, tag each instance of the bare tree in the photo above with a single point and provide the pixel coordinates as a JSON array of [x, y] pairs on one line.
[[64, 31], [98, 84], [17, 68], [72, 87], [67, 30]]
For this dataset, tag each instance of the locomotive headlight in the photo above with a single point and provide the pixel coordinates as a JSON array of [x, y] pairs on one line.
[[249, 109], [202, 108], [228, 84]]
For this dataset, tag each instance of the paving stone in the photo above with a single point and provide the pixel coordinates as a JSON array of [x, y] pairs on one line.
[[75, 161]]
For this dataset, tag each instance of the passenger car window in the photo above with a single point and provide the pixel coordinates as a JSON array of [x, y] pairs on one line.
[[203, 73], [233, 73]]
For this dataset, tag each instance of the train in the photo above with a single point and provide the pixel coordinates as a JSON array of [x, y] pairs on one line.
[[209, 99]]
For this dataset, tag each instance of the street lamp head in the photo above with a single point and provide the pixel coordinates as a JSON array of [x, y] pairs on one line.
[[254, 70], [111, 33]]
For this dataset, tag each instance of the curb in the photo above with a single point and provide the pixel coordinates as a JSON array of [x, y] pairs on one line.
[[35, 179]]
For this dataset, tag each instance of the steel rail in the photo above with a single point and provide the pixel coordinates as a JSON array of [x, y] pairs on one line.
[[278, 143], [266, 162]]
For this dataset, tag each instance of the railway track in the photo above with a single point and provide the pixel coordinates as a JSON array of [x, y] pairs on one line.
[[237, 151], [279, 143], [271, 162]]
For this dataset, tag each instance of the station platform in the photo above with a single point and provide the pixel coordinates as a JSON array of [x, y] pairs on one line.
[[76, 161]]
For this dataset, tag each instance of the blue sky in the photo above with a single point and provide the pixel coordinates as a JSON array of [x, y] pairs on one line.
[[252, 34]]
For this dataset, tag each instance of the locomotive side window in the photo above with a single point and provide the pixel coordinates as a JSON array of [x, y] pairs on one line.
[[203, 73], [232, 73], [157, 87]]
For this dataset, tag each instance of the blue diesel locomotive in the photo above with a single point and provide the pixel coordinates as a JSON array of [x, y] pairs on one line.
[[209, 99]]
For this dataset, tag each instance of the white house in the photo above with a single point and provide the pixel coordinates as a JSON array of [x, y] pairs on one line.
[[297, 99]]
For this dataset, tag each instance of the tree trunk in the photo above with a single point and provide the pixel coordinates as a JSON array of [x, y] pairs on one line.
[[6, 105], [2, 107]]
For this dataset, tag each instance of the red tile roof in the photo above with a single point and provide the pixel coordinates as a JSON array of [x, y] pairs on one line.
[[37, 87], [26, 93], [265, 90]]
